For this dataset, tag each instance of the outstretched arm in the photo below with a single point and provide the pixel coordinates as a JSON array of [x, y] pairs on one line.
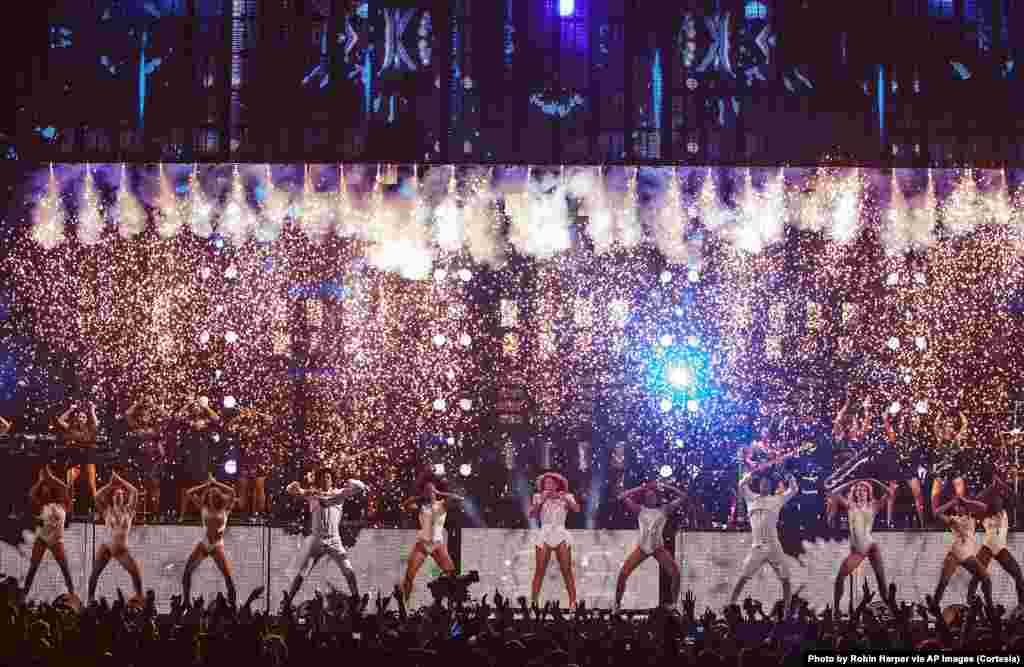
[[963, 426], [571, 501], [5, 426], [890, 432], [538, 503], [865, 424], [680, 497], [837, 424], [62, 420], [410, 504]]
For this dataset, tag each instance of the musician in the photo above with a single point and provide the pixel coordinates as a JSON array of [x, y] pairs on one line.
[[250, 426], [51, 501], [80, 428], [197, 421], [146, 426], [848, 434]]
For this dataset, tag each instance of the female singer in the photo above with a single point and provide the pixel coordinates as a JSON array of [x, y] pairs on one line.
[[951, 460], [652, 517], [848, 433], [963, 550], [51, 502], [215, 501], [552, 505], [116, 503], [911, 455], [146, 421], [431, 502], [198, 420], [80, 428], [996, 523], [249, 425], [861, 507]]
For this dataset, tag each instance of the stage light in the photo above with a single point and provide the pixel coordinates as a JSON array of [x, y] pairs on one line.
[[693, 341], [665, 471], [666, 277], [440, 274], [439, 339], [219, 309], [907, 378], [231, 337], [231, 273], [205, 272], [440, 404], [678, 310], [450, 440], [692, 405], [566, 7], [893, 279], [679, 443], [893, 343], [666, 404], [217, 373], [465, 470], [895, 408], [230, 402], [439, 469], [450, 374], [465, 340], [921, 407], [231, 467], [919, 278], [465, 275], [466, 404], [921, 342], [679, 376], [204, 338], [693, 276], [666, 340]]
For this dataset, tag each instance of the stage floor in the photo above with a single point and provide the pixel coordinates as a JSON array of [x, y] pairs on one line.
[[709, 560]]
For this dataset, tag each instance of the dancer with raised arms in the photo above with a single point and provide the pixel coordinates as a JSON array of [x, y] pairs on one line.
[[963, 551], [905, 439], [116, 503], [552, 505], [861, 507], [848, 433], [652, 516], [996, 523], [215, 501], [50, 501], [80, 428], [146, 427], [431, 505]]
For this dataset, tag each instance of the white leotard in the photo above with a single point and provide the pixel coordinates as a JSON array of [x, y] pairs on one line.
[[552, 522], [997, 527], [222, 518], [52, 516], [862, 520], [432, 518], [652, 528], [964, 543], [119, 522]]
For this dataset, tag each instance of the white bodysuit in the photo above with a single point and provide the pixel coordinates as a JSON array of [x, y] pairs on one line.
[[52, 517], [964, 544], [652, 528], [119, 521], [222, 518], [552, 522], [862, 521], [997, 527], [432, 517], [765, 546]]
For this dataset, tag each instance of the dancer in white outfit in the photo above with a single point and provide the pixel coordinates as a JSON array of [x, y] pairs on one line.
[[652, 517], [51, 502], [861, 508], [552, 505], [213, 499], [964, 549], [116, 503], [763, 507], [994, 546], [325, 503], [431, 504]]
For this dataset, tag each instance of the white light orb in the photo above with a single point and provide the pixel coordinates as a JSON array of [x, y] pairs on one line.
[[465, 340], [204, 402], [893, 279], [439, 339], [231, 337], [666, 277], [217, 373], [450, 440], [440, 274], [231, 273], [439, 469], [679, 376], [204, 338], [230, 402], [231, 467], [440, 404], [921, 342], [693, 341], [919, 278], [895, 408], [219, 309], [692, 405], [666, 340], [465, 275], [921, 407], [693, 276], [907, 378], [893, 343], [679, 443], [678, 310], [450, 374], [465, 470], [466, 404], [205, 272], [508, 563], [665, 471], [666, 404]]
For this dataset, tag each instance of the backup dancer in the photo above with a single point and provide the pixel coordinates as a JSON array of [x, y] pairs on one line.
[[552, 505], [951, 460], [431, 504], [861, 507], [911, 456], [51, 502], [996, 523], [116, 503], [964, 549], [763, 507], [325, 505], [197, 422], [146, 426], [652, 517], [251, 426], [215, 501], [80, 427], [5, 426]]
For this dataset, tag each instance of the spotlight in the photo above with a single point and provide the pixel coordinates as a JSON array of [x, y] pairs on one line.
[[231, 273], [466, 404], [440, 274], [465, 275], [219, 308], [921, 407], [230, 402], [450, 440], [204, 338], [439, 469], [465, 470], [919, 278], [566, 7], [692, 405], [440, 404], [231, 467], [666, 277], [693, 276], [666, 405], [666, 340], [679, 443], [679, 376], [465, 340], [439, 339], [893, 279], [217, 373], [895, 408], [665, 471], [921, 342], [907, 378], [231, 337], [205, 272], [893, 343]]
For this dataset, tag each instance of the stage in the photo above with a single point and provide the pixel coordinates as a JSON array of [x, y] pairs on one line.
[[709, 562]]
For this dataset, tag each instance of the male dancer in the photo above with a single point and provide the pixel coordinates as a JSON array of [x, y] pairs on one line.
[[763, 507], [325, 503]]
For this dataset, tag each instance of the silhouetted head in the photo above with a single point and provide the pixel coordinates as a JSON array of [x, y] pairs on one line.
[[324, 478]]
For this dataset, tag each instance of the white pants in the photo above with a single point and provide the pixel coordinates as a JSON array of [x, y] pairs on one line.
[[316, 548], [771, 554]]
